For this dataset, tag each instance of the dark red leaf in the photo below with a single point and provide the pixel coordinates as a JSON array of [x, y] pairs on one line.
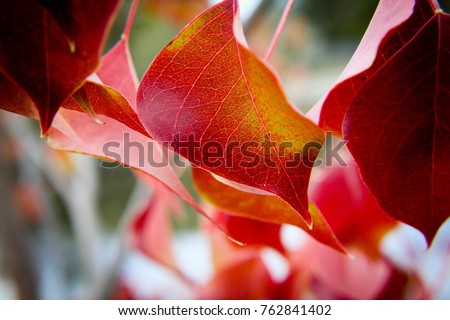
[[48, 48], [382, 40], [398, 128], [14, 99]]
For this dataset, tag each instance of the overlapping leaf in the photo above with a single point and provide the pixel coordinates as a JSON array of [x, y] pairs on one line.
[[329, 275], [249, 231], [259, 207], [248, 279], [115, 141], [48, 48], [382, 40], [350, 209], [112, 130], [398, 128], [206, 87], [152, 229]]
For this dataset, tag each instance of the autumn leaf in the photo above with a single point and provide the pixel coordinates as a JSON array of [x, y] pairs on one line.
[[398, 128], [329, 275], [249, 231], [351, 211], [117, 135], [116, 66], [113, 141], [14, 99], [393, 25], [151, 231], [48, 48], [206, 93], [269, 209], [106, 101], [248, 279]]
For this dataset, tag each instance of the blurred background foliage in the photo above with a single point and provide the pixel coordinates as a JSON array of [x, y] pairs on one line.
[[64, 216]]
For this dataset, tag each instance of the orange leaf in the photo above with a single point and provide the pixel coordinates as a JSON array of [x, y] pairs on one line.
[[259, 207]]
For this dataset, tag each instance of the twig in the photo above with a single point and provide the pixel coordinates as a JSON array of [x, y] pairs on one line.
[[130, 19], [280, 26]]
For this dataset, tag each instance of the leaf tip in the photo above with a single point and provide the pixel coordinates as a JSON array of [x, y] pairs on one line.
[[308, 220], [45, 123]]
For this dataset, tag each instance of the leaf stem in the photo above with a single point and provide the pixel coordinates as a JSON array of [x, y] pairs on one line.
[[280, 26], [130, 19]]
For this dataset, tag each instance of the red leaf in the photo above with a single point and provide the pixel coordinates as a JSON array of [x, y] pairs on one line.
[[152, 228], [48, 48], [208, 88], [259, 207], [249, 231], [329, 275], [77, 132], [117, 71], [13, 99], [248, 279], [108, 102], [398, 128], [350, 209], [382, 40]]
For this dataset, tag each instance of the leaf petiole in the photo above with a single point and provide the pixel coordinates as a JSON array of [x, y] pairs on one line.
[[280, 26]]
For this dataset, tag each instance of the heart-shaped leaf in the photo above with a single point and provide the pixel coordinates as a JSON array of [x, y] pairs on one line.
[[222, 108]]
